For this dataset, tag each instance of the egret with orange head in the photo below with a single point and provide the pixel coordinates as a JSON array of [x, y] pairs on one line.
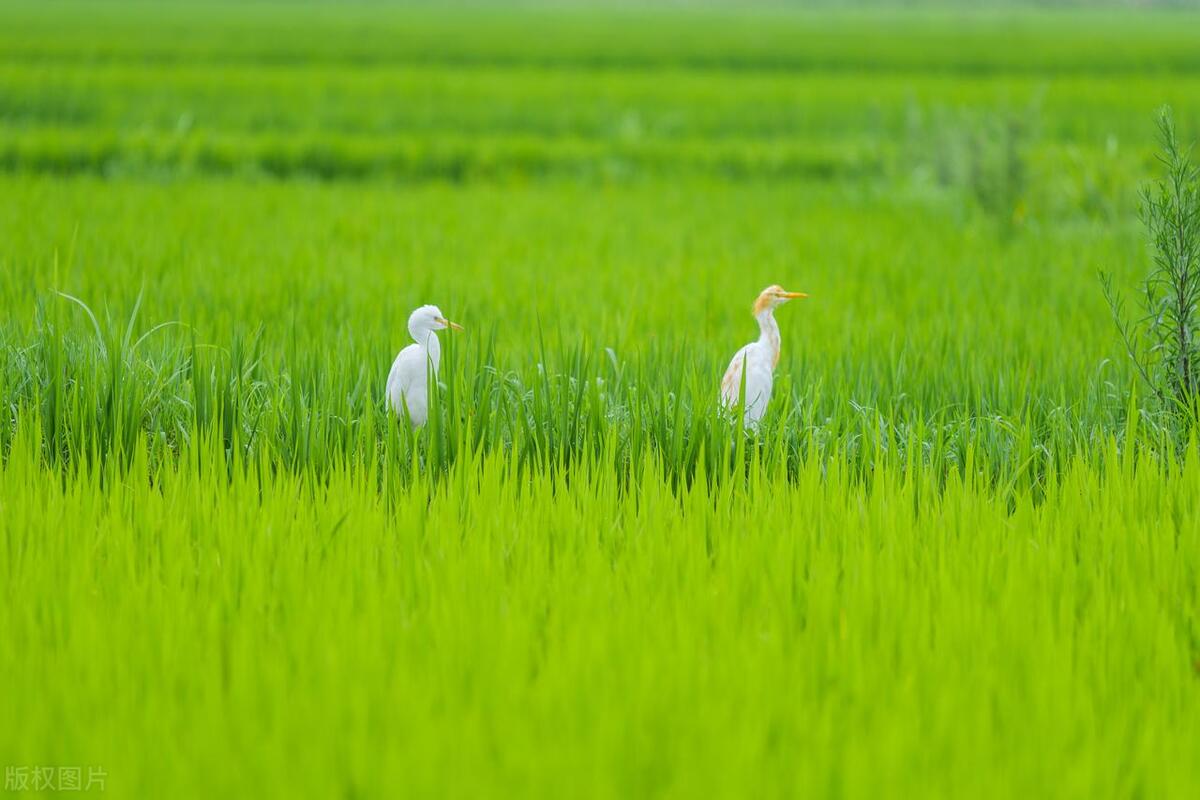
[[757, 359]]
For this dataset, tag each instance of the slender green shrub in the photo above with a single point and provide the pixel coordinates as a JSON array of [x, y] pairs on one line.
[[1162, 343]]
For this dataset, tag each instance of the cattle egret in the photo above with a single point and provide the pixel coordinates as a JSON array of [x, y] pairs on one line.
[[757, 359], [407, 383]]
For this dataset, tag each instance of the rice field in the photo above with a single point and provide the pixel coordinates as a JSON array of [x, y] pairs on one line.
[[960, 557]]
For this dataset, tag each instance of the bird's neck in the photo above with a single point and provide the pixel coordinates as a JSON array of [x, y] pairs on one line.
[[428, 340], [769, 333]]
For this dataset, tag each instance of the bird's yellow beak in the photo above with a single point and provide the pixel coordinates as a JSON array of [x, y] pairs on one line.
[[449, 324], [791, 295]]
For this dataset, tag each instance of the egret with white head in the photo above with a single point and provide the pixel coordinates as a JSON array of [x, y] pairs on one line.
[[407, 383], [757, 360]]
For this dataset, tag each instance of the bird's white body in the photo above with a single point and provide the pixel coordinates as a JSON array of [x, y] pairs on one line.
[[756, 360], [408, 380]]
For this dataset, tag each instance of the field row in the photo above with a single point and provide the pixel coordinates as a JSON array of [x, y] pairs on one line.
[[626, 104], [969, 44], [1016, 146], [454, 158]]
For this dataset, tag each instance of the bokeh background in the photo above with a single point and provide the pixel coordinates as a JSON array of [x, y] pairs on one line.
[[624, 172]]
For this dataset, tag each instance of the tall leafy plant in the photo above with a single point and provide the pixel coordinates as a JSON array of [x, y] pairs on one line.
[[1164, 341]]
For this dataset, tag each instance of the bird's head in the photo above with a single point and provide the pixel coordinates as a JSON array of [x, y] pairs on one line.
[[427, 319], [774, 296]]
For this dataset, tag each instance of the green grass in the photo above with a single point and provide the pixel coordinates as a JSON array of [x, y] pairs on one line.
[[551, 633], [956, 561]]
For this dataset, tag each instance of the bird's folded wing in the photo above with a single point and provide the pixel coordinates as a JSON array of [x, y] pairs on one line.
[[732, 382]]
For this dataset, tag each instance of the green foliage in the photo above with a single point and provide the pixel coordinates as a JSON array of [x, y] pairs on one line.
[[1163, 343], [955, 558]]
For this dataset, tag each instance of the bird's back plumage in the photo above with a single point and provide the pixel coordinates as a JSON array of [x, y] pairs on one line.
[[759, 366], [407, 384]]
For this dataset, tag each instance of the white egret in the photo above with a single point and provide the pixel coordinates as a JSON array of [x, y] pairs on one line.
[[757, 359], [407, 383]]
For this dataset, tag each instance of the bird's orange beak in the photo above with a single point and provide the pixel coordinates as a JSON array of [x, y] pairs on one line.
[[791, 295], [449, 324]]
